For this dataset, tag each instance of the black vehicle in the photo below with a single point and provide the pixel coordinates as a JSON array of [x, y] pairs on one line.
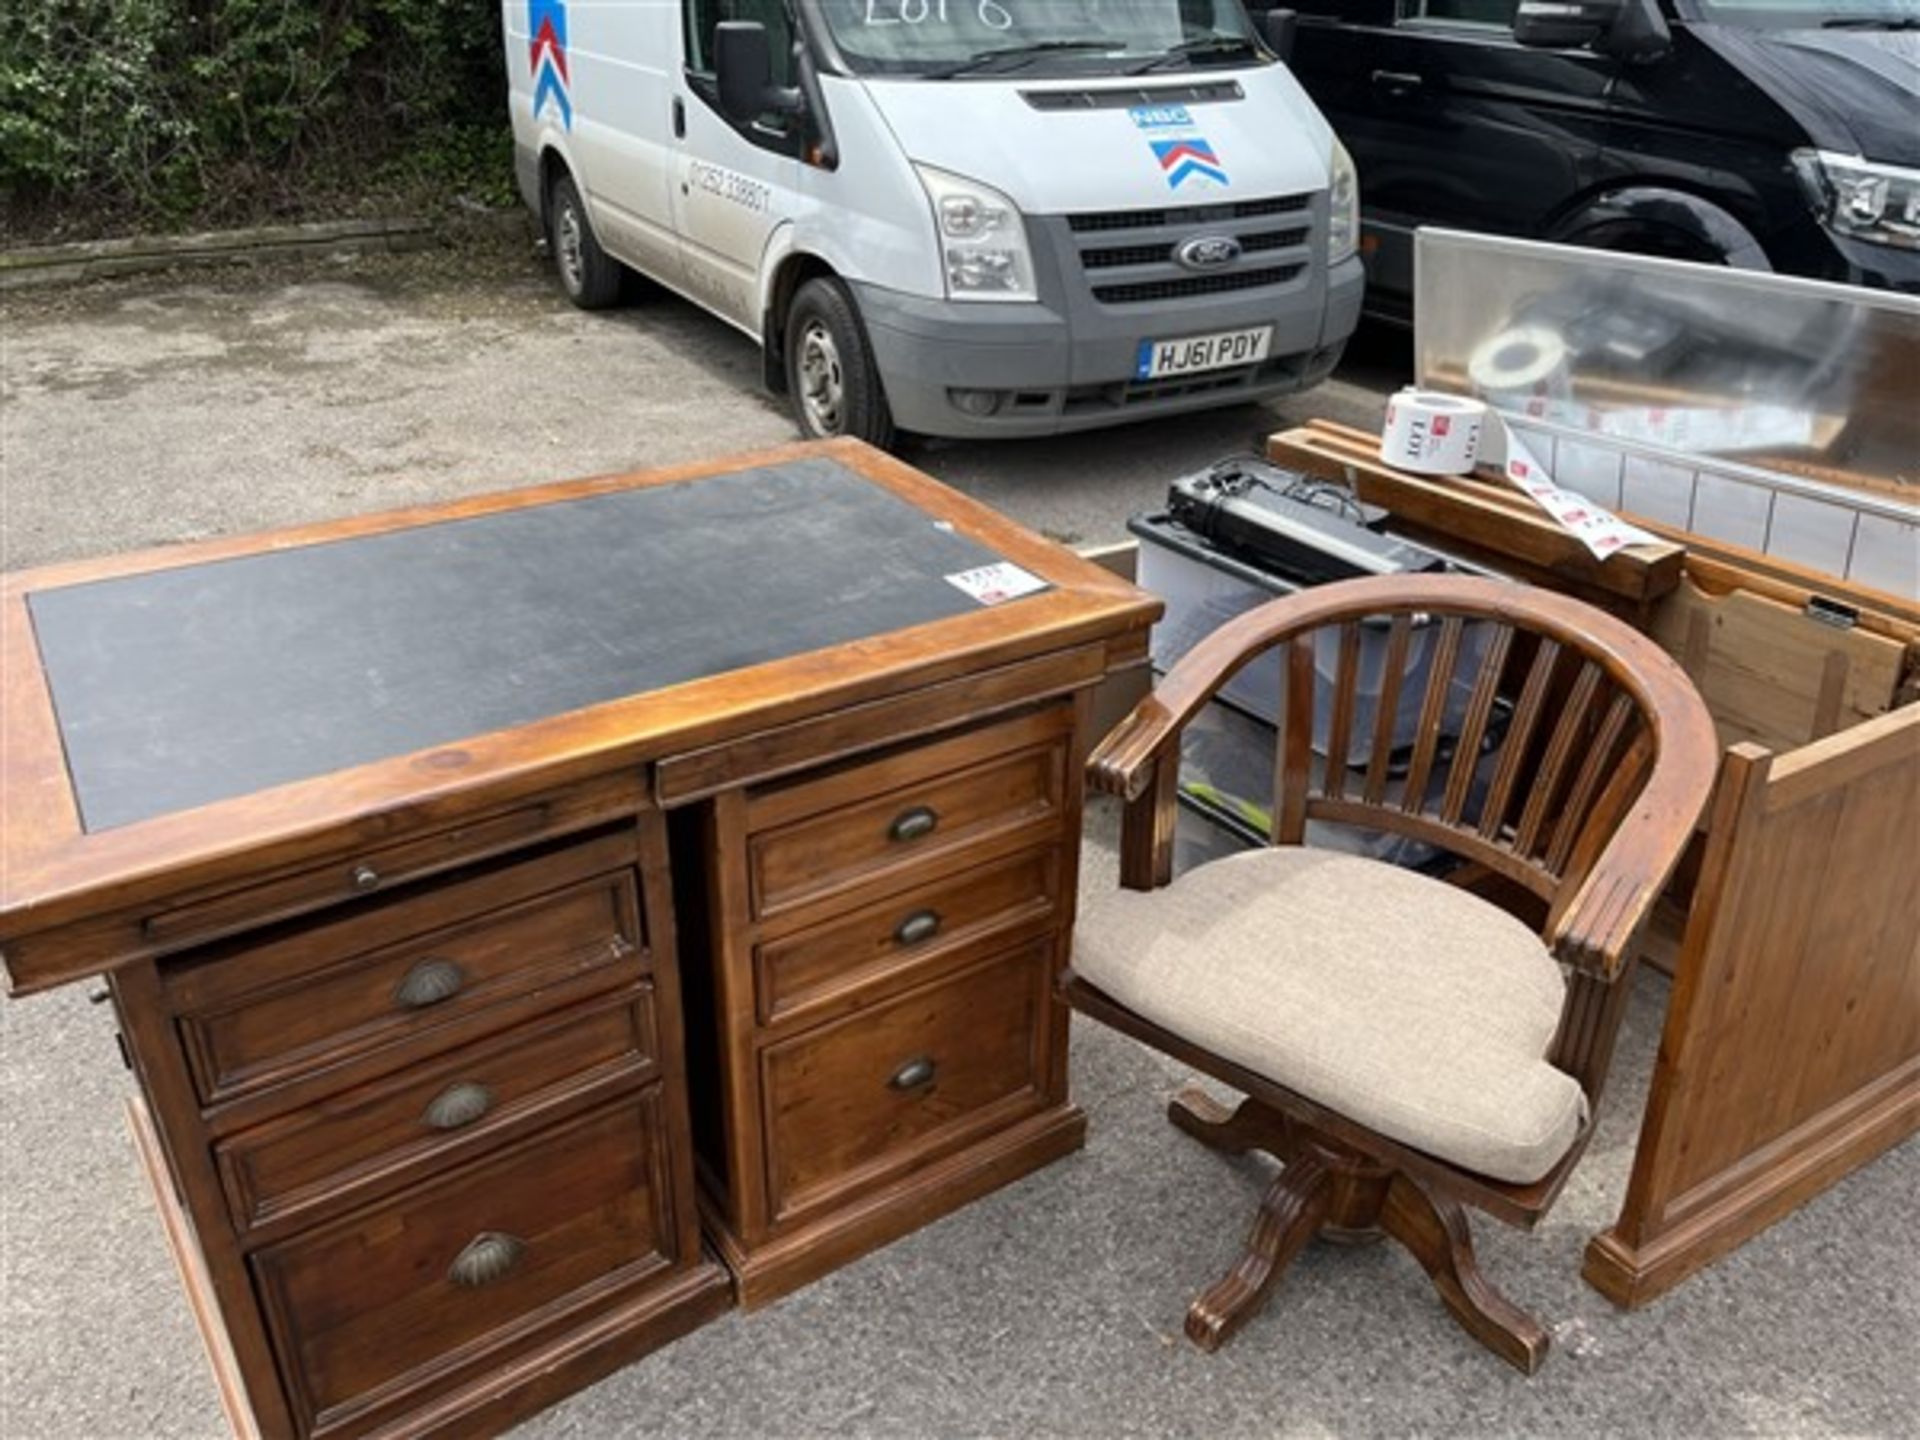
[[1768, 134]]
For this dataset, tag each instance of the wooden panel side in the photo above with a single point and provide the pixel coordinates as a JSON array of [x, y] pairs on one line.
[[1792, 1048], [192, 1265]]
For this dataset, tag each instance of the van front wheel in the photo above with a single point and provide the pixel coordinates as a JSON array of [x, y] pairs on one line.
[[830, 371], [589, 275]]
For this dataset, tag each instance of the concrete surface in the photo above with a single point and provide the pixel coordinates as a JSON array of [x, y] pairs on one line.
[[138, 413], [135, 414]]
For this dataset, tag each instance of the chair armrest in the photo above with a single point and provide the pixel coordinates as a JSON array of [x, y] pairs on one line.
[[1122, 764], [1594, 935], [1595, 931]]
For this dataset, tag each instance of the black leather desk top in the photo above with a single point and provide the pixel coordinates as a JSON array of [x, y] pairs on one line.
[[181, 687]]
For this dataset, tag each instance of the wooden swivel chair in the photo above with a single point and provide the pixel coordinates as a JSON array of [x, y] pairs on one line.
[[1406, 1047]]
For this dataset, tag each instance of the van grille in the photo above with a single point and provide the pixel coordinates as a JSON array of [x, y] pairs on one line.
[[1109, 256], [1194, 285], [1127, 256], [1187, 215]]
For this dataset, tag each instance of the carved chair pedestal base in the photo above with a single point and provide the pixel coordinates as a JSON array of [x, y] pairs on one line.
[[1332, 1191]]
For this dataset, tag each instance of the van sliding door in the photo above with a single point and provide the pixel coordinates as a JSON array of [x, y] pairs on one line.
[[732, 184]]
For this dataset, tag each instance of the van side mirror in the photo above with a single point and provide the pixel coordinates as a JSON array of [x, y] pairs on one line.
[[1632, 30], [743, 68], [1277, 28]]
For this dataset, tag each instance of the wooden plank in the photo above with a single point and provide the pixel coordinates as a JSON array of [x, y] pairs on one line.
[[1774, 674], [1722, 565], [1838, 759], [1476, 513]]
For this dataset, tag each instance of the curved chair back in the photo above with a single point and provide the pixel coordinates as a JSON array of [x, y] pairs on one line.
[[1510, 726]]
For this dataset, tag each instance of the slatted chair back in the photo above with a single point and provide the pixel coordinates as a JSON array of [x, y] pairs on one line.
[[1511, 784], [1554, 745]]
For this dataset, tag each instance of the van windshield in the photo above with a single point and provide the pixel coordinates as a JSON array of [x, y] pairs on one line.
[[1808, 14], [948, 39]]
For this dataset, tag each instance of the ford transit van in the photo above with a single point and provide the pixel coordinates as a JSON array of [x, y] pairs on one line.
[[955, 217]]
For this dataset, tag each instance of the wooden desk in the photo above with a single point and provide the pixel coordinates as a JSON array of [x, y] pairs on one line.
[[492, 893]]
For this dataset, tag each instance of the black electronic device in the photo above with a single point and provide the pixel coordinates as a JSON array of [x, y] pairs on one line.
[[1306, 530]]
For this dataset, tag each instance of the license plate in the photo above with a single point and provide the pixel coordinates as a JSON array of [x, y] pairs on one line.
[[1158, 358]]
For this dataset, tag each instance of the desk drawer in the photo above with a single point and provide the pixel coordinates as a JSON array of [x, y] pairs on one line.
[[343, 1150], [871, 836], [382, 1305], [909, 932], [899, 1082], [315, 997], [379, 868]]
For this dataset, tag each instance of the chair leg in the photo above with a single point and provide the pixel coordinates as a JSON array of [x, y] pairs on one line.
[[1248, 1126], [1435, 1229], [1290, 1213]]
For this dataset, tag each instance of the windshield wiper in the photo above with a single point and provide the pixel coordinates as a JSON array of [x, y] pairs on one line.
[[1872, 22], [1020, 54], [1188, 51]]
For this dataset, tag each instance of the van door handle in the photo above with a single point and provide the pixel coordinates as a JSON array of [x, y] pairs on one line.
[[1397, 82], [679, 118]]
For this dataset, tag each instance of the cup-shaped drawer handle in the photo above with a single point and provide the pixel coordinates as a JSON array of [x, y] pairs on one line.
[[920, 926], [914, 823], [488, 1257], [428, 983], [457, 1105], [912, 1075]]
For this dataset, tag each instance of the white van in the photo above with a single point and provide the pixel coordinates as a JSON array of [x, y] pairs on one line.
[[957, 217]]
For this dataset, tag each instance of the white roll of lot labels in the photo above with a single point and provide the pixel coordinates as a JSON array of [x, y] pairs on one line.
[[1430, 433], [1521, 363]]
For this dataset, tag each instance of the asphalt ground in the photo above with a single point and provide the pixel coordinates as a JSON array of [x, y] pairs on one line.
[[153, 410], [164, 409]]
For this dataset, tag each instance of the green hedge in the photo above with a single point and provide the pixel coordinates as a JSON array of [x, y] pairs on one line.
[[159, 110]]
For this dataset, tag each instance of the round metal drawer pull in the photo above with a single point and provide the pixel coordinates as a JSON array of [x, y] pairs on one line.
[[488, 1257], [365, 877], [914, 823], [457, 1105], [428, 983], [912, 1075], [921, 925]]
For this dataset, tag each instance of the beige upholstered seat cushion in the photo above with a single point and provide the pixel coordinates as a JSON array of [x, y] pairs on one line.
[[1413, 1007]]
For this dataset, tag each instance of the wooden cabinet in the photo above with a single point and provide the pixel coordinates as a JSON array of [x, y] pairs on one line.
[[882, 1031], [448, 1125], [456, 1007]]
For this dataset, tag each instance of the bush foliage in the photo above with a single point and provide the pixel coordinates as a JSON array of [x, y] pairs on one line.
[[217, 110]]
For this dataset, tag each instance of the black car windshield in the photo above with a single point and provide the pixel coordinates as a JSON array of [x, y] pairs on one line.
[[969, 38], [1807, 14]]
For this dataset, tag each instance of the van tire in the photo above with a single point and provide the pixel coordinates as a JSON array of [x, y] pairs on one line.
[[831, 377], [591, 278]]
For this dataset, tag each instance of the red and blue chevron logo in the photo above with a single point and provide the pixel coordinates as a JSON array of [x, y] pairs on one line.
[[1186, 158], [547, 24]]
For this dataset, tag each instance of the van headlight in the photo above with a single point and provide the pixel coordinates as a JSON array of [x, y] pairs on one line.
[[1343, 206], [1862, 198], [983, 243]]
